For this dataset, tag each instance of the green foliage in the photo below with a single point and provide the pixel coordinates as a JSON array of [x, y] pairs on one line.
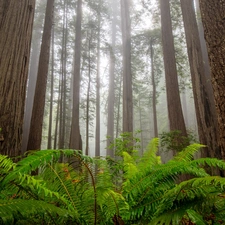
[[126, 142], [148, 192], [174, 140]]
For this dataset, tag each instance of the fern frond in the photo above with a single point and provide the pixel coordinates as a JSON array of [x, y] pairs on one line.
[[188, 153], [111, 203], [32, 162], [130, 168], [6, 164], [211, 162], [150, 158], [192, 191], [195, 217], [12, 210]]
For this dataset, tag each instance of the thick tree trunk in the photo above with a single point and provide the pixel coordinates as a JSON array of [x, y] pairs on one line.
[[127, 76], [16, 21], [32, 79], [176, 119], [35, 135], [75, 137], [33, 69], [212, 12], [207, 123]]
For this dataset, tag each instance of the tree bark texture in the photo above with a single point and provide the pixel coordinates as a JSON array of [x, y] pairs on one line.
[[35, 135], [207, 123], [213, 19], [75, 137], [32, 78], [16, 21], [176, 119], [127, 76]]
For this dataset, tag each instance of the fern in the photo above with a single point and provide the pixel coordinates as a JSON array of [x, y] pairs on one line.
[[150, 158], [13, 210], [187, 154], [153, 193], [148, 193]]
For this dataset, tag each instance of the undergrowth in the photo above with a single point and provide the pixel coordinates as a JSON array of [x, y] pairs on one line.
[[129, 190]]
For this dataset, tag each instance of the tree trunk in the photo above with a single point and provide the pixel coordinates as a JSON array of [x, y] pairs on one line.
[[111, 96], [212, 13], [49, 144], [62, 115], [154, 100], [35, 135], [16, 19], [127, 76], [88, 95], [97, 132], [57, 120], [207, 124], [32, 79], [140, 121], [75, 137], [176, 119], [118, 109]]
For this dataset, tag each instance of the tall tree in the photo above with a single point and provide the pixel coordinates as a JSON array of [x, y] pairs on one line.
[[88, 94], [35, 134], [63, 93], [49, 144], [111, 95], [212, 13], [176, 119], [97, 130], [204, 105], [75, 136], [127, 76], [154, 94], [33, 69], [16, 19]]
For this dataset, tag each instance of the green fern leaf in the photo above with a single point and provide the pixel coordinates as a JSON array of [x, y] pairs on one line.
[[11, 210], [195, 217], [188, 153]]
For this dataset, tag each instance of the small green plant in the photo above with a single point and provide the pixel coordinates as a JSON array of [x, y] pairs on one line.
[[174, 140], [126, 142]]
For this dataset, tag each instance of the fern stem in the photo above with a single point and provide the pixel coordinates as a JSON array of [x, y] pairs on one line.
[[71, 199], [117, 208], [94, 187]]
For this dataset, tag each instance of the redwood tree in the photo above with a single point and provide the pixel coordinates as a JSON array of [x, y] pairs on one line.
[[98, 86], [127, 76], [35, 135], [204, 104], [75, 137], [16, 19], [212, 12], [176, 119], [111, 96]]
